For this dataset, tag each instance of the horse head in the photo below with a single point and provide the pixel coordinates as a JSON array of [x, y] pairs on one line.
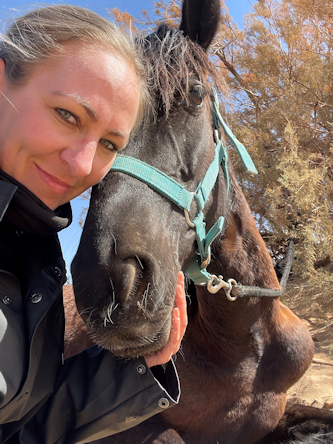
[[134, 240]]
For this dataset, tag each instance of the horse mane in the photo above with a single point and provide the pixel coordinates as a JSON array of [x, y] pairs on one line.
[[171, 60]]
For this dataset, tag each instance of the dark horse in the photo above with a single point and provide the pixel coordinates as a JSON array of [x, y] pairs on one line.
[[238, 358]]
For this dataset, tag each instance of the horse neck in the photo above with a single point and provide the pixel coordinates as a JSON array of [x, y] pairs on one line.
[[239, 253]]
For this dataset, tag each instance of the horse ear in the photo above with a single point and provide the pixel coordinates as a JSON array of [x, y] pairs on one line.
[[200, 20]]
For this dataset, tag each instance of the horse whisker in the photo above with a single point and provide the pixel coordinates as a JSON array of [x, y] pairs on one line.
[[145, 297], [139, 262], [143, 304], [90, 323], [110, 308], [181, 352], [112, 286], [115, 243], [86, 310]]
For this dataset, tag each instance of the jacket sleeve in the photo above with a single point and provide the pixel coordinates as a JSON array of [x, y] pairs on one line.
[[98, 395]]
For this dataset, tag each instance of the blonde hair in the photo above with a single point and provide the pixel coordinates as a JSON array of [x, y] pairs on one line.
[[37, 35]]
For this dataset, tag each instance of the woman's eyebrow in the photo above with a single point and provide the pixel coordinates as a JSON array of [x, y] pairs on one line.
[[117, 133], [92, 113]]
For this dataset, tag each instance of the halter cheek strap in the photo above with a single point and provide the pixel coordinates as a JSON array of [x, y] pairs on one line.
[[240, 148], [183, 198]]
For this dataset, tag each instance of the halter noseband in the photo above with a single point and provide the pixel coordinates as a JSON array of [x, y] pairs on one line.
[[183, 198]]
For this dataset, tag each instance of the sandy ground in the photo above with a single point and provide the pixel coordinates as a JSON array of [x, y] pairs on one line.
[[315, 388]]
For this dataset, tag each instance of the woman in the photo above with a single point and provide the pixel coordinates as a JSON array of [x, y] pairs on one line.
[[71, 92]]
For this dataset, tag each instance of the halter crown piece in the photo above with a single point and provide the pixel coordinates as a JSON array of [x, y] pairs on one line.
[[183, 198]]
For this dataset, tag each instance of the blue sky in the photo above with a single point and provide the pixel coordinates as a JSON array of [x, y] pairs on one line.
[[70, 237]]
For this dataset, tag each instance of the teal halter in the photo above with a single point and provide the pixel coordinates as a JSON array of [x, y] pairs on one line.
[[183, 198]]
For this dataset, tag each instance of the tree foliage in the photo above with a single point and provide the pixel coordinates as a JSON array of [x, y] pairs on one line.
[[280, 74], [279, 69]]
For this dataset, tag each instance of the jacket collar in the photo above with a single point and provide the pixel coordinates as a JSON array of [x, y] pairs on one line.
[[7, 191], [26, 211]]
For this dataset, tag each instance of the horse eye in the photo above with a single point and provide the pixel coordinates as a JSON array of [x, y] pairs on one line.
[[196, 97]]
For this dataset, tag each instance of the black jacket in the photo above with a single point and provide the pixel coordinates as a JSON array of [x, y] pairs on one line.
[[44, 399]]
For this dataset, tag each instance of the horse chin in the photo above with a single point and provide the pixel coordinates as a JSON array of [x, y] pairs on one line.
[[131, 344]]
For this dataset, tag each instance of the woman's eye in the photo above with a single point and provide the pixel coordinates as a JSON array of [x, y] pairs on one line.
[[109, 145], [67, 115]]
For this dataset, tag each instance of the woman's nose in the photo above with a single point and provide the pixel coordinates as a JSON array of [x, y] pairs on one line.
[[80, 157]]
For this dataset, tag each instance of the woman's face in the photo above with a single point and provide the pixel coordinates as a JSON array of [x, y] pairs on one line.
[[59, 133]]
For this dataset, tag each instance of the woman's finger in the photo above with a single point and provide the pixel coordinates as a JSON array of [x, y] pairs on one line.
[[179, 323], [180, 303]]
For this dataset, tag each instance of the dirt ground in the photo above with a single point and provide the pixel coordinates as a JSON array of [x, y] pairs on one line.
[[315, 308]]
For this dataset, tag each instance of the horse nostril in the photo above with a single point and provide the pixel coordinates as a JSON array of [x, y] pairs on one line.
[[130, 275]]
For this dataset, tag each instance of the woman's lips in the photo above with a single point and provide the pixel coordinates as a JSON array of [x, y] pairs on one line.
[[53, 183]]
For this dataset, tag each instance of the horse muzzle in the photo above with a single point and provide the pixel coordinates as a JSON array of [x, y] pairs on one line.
[[129, 310]]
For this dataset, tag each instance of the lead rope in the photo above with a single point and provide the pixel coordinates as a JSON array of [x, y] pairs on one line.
[[233, 290]]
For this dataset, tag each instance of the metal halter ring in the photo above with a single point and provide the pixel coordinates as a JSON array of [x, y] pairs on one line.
[[205, 262], [232, 283], [187, 217]]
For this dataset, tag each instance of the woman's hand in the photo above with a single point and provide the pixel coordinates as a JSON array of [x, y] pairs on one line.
[[179, 323]]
